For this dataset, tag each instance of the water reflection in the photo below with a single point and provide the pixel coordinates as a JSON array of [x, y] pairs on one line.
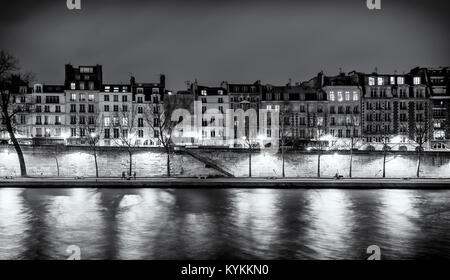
[[330, 225], [14, 228], [223, 223]]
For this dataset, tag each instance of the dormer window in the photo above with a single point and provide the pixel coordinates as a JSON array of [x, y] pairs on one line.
[[392, 80], [107, 88], [140, 90], [380, 81], [38, 88], [371, 81], [116, 89], [400, 80], [72, 86], [417, 80], [220, 92], [203, 92]]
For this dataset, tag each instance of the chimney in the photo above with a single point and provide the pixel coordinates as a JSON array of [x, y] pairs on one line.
[[132, 80], [162, 80]]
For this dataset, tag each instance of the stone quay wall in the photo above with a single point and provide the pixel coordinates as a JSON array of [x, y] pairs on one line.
[[79, 161]]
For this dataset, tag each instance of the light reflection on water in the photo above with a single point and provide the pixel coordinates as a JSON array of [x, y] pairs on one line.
[[223, 223]]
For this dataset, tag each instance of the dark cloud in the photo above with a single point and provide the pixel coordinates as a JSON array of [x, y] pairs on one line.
[[225, 40]]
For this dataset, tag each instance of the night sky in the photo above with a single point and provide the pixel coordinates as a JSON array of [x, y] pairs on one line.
[[237, 41]]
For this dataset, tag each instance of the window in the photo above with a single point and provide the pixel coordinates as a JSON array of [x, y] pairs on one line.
[[58, 109], [340, 97], [400, 80], [371, 81], [91, 108], [140, 122], [220, 92], [106, 108], [91, 120], [203, 92], [220, 100], [116, 98], [140, 133], [82, 97], [73, 108], [91, 97], [140, 99], [417, 80], [332, 97], [107, 121], [355, 96], [72, 86], [140, 110], [106, 97], [124, 121], [140, 90], [116, 108], [73, 120], [124, 98], [82, 108], [107, 135], [107, 88], [73, 132], [347, 96], [82, 120], [125, 133], [380, 81], [38, 120], [86, 70], [124, 108], [73, 97], [116, 133], [392, 80]]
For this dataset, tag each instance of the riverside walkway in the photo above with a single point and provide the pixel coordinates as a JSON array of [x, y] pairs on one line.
[[254, 182]]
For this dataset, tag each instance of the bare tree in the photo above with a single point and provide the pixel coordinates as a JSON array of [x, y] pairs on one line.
[[420, 138], [128, 133], [94, 130], [323, 142], [159, 118], [9, 80]]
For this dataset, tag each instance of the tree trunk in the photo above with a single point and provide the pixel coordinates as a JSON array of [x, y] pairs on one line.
[[351, 165], [57, 164], [282, 157], [318, 165], [384, 164], [131, 161], [250, 163], [168, 163], [96, 163], [23, 169], [351, 160], [418, 162]]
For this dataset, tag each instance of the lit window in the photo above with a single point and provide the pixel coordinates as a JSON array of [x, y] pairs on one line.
[[72, 86], [417, 80], [355, 96], [116, 89], [73, 97], [91, 97], [332, 98], [347, 96], [392, 80], [400, 80], [107, 121], [380, 81], [203, 92], [107, 88], [340, 97], [220, 92], [371, 81]]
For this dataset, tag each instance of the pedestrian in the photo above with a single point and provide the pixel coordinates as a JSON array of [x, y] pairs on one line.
[[123, 174], [134, 175]]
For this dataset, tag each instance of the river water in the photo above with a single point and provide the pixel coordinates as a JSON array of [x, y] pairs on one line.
[[223, 223]]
